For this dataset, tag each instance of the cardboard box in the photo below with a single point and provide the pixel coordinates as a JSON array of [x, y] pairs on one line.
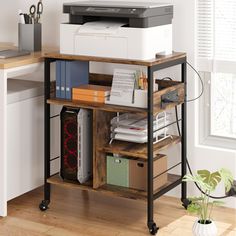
[[138, 173]]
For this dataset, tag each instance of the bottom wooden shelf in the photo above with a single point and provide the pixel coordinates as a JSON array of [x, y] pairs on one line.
[[57, 180], [113, 190]]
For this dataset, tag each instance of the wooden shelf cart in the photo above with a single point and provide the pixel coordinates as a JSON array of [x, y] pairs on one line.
[[102, 115]]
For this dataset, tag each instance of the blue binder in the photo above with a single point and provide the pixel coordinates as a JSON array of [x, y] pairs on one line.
[[63, 79], [58, 79], [77, 73]]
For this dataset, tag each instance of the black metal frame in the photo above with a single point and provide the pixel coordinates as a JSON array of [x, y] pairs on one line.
[[47, 187], [151, 196]]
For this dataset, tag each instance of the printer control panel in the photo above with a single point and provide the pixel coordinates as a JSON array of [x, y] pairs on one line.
[[100, 9], [111, 10]]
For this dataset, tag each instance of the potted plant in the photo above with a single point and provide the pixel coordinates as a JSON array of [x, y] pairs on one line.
[[202, 205]]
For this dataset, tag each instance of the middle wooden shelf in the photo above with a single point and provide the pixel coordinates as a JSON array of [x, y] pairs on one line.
[[138, 150], [169, 95], [95, 105]]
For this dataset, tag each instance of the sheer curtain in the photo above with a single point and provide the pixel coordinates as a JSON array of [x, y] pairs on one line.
[[216, 48], [216, 54]]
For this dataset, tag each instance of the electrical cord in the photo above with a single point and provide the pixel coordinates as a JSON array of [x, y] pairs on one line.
[[190, 170], [202, 84], [200, 79], [177, 118]]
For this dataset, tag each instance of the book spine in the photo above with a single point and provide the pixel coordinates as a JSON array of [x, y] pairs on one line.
[[63, 79], [68, 80], [77, 74], [58, 79]]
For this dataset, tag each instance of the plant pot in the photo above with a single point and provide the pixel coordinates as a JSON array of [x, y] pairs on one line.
[[204, 229]]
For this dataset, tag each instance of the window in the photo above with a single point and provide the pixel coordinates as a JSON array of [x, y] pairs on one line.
[[216, 47], [223, 105]]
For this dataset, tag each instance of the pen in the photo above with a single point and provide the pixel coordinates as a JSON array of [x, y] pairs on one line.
[[144, 83], [27, 19], [21, 17]]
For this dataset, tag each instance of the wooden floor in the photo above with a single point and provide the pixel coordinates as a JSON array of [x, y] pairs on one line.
[[75, 213]]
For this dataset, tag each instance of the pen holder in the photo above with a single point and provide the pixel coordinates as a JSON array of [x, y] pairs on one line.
[[140, 98], [30, 37]]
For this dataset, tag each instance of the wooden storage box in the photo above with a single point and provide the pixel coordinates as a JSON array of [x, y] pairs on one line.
[[138, 173]]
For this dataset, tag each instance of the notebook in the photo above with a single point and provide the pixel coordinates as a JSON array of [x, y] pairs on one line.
[[4, 54]]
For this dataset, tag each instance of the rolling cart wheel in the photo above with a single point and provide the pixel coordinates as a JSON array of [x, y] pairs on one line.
[[186, 203], [43, 206], [153, 229]]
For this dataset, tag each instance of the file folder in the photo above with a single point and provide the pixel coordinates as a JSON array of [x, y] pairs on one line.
[[58, 79], [77, 73]]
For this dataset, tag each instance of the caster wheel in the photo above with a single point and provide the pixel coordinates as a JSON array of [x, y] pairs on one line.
[[186, 203], [43, 206], [154, 229]]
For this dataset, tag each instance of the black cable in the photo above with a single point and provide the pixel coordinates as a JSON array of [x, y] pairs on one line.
[[202, 84], [213, 197], [200, 78], [177, 123]]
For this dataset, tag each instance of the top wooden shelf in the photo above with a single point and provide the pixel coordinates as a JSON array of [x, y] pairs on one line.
[[156, 61], [34, 57]]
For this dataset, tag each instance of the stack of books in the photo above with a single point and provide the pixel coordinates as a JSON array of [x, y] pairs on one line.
[[91, 93]]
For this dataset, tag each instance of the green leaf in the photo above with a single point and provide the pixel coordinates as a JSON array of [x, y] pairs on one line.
[[198, 180], [227, 178], [194, 208], [211, 179], [188, 178]]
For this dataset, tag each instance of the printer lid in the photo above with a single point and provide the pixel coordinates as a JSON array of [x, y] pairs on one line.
[[137, 14], [121, 4]]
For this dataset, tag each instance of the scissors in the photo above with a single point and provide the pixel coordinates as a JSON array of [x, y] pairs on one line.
[[36, 12]]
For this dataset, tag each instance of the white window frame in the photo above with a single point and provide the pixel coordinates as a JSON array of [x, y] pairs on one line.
[[204, 109]]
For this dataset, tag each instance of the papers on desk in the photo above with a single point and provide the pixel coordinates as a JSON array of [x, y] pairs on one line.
[[123, 85]]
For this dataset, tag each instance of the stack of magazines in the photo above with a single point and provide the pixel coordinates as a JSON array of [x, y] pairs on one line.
[[134, 128]]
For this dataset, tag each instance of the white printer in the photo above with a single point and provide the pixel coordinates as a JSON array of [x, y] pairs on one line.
[[129, 30]]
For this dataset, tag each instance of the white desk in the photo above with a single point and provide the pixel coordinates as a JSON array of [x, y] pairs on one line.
[[11, 68]]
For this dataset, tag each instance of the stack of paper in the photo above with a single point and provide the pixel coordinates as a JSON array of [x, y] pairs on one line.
[[133, 128], [122, 91]]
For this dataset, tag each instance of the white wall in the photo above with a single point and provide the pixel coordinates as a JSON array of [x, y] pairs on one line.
[[51, 17], [184, 38]]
